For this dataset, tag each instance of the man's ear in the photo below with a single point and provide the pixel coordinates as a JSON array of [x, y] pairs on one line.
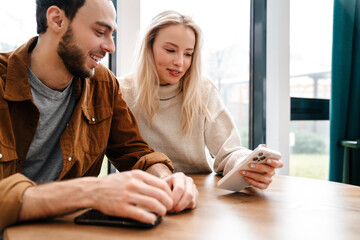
[[56, 18]]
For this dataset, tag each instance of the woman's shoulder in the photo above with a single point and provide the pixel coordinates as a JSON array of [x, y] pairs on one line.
[[213, 99], [209, 88], [126, 80], [209, 84], [126, 83]]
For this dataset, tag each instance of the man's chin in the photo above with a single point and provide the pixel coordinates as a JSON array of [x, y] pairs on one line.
[[89, 73]]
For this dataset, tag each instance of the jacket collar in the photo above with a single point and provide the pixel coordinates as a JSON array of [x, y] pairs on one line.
[[17, 87]]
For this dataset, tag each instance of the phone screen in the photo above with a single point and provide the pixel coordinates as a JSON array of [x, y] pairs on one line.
[[95, 217]]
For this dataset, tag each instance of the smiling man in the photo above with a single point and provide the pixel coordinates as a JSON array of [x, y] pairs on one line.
[[61, 111]]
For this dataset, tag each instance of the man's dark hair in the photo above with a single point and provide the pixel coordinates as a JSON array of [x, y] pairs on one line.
[[70, 8]]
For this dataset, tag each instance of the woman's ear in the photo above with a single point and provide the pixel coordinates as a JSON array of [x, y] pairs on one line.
[[55, 18]]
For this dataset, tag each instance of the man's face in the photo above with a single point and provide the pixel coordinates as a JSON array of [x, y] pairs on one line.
[[88, 37], [74, 57]]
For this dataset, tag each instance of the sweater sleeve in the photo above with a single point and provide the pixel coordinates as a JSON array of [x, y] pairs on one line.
[[12, 189], [221, 136]]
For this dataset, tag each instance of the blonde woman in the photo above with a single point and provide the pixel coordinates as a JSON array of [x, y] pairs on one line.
[[179, 112]]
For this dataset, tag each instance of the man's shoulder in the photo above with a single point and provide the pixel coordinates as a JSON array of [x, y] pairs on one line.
[[4, 58]]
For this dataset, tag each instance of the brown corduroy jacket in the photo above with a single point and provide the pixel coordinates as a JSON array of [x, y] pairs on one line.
[[100, 124]]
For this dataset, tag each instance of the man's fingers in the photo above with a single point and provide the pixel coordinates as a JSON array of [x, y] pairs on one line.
[[137, 213], [178, 187], [148, 203], [153, 193], [188, 195], [133, 189], [152, 180]]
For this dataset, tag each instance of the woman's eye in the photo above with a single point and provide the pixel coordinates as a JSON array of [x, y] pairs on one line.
[[188, 54], [170, 50]]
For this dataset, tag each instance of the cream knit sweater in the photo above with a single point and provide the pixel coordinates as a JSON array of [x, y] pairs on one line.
[[188, 152]]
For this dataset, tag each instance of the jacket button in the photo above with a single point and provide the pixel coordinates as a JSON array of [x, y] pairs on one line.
[[0, 156], [69, 159], [93, 119]]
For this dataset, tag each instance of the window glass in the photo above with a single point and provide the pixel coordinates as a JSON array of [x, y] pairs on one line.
[[310, 48], [17, 23], [309, 149], [225, 25], [310, 77]]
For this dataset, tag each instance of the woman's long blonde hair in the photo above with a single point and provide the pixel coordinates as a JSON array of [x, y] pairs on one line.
[[146, 79]]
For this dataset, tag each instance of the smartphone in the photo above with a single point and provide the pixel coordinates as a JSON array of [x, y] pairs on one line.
[[95, 217], [234, 181]]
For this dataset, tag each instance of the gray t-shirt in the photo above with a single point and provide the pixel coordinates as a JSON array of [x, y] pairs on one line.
[[44, 159]]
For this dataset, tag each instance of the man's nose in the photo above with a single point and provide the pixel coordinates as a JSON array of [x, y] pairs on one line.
[[108, 45]]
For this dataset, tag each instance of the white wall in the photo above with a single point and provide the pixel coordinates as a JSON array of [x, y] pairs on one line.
[[128, 14], [277, 72]]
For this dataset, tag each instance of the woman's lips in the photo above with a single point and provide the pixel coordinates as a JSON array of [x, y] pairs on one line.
[[174, 72]]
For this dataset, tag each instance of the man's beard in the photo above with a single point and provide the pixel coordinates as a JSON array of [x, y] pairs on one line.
[[72, 56]]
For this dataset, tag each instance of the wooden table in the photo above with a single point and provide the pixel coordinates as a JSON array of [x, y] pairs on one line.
[[292, 208]]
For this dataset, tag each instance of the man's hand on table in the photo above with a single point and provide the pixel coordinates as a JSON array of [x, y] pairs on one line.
[[183, 190]]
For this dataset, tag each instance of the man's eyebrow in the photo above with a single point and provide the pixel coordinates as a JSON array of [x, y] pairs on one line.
[[174, 45], [110, 28]]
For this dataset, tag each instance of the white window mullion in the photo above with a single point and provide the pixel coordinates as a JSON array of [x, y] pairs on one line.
[[277, 71]]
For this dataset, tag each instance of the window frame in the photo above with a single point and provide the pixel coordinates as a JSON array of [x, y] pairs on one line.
[[257, 106], [309, 109], [112, 56]]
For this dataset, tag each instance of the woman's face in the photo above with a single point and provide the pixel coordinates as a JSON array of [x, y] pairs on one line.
[[173, 49]]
